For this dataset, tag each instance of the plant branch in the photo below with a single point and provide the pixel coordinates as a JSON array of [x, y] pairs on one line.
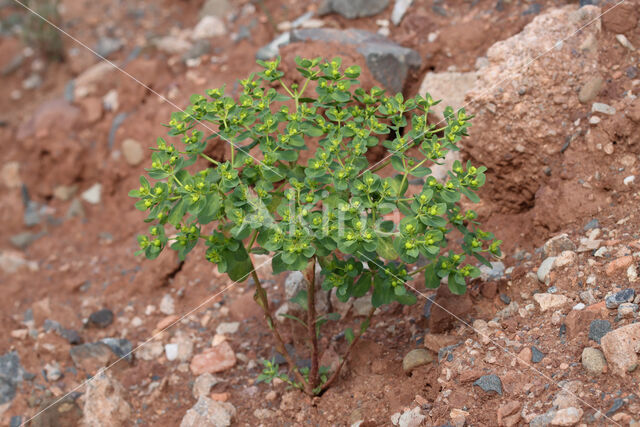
[[261, 299], [311, 326], [335, 375]]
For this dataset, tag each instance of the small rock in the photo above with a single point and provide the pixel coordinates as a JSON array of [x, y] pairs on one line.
[[92, 195], [567, 417], [214, 359], [620, 348], [593, 360], [557, 244], [362, 306], [598, 329], [489, 383], [618, 264], [494, 273], [536, 355], [150, 351], [105, 403], [53, 371], [625, 295], [171, 351], [545, 269], [208, 412], [101, 318], [627, 310], [203, 384], [590, 90], [75, 209], [587, 297], [599, 107], [592, 224], [352, 9], [507, 409], [108, 45], [110, 100], [11, 175], [416, 357], [91, 357], [209, 26], [629, 180], [220, 8], [167, 305], [623, 40], [121, 347], [411, 418], [550, 301], [11, 375], [565, 258], [227, 328], [173, 45], [399, 9], [263, 413], [132, 152]]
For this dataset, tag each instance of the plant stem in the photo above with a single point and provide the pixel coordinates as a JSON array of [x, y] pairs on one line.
[[335, 375], [263, 302], [311, 326], [381, 166], [210, 159]]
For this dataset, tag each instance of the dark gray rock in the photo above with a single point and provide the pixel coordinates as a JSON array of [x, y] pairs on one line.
[[489, 383], [117, 122], [588, 2], [108, 45], [536, 355], [631, 72], [198, 48], [352, 9], [505, 299], [599, 328], [23, 240], [11, 374], [121, 347], [388, 62], [533, 9], [625, 295], [426, 310], [16, 421], [447, 352], [101, 318], [617, 404], [73, 337], [51, 325]]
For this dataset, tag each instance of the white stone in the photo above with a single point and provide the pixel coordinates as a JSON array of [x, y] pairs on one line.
[[227, 328], [567, 417], [624, 41], [564, 259], [171, 351], [550, 301], [545, 269], [167, 305], [579, 306], [93, 194], [209, 26], [629, 180], [599, 107]]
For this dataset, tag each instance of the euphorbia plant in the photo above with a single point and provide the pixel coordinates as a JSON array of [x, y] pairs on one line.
[[328, 211]]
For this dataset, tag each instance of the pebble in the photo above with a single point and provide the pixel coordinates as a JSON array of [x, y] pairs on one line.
[[34, 81], [593, 360], [545, 269], [208, 412], [171, 351], [579, 306], [629, 180], [150, 351], [590, 90], [90, 357], [624, 41], [490, 383], [227, 328], [618, 264], [587, 297], [599, 107], [598, 329], [214, 359], [619, 348], [410, 418], [352, 9], [536, 355], [108, 45], [565, 258], [132, 152], [52, 371], [167, 305], [416, 357], [625, 295], [121, 347], [399, 9], [203, 384], [495, 272], [101, 318], [567, 417], [93, 194], [550, 301], [557, 244], [104, 400], [209, 26], [627, 310]]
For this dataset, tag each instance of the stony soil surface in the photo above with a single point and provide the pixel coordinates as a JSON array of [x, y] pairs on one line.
[[549, 336]]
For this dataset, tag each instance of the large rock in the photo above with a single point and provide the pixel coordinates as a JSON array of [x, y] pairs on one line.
[[104, 403], [11, 375], [621, 347], [352, 9], [51, 116], [214, 359], [449, 86], [517, 123], [209, 413], [388, 62]]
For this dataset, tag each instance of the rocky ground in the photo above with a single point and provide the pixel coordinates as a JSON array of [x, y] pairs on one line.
[[549, 336]]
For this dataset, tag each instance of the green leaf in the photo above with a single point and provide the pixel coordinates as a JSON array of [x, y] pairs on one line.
[[362, 286], [431, 279], [385, 249], [177, 213], [457, 284], [348, 334], [292, 317], [239, 265], [301, 298]]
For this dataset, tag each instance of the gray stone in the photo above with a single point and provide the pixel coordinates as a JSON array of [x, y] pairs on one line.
[[599, 107], [270, 50], [117, 122], [543, 420], [121, 347], [627, 309], [199, 48], [593, 360], [416, 357], [11, 375], [536, 355], [598, 329], [75, 209], [545, 269], [399, 9], [101, 318], [108, 45], [52, 371], [72, 336], [558, 244], [294, 283], [594, 223], [202, 385], [207, 412], [209, 26], [23, 240], [220, 8], [615, 407], [31, 214], [590, 90], [167, 305], [34, 81], [388, 62], [489, 383], [494, 273], [625, 295], [411, 418], [352, 9]]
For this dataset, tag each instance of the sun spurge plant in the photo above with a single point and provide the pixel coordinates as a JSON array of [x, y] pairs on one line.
[[327, 212]]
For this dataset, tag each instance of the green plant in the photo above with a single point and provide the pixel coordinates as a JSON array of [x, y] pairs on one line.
[[40, 34], [327, 211]]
